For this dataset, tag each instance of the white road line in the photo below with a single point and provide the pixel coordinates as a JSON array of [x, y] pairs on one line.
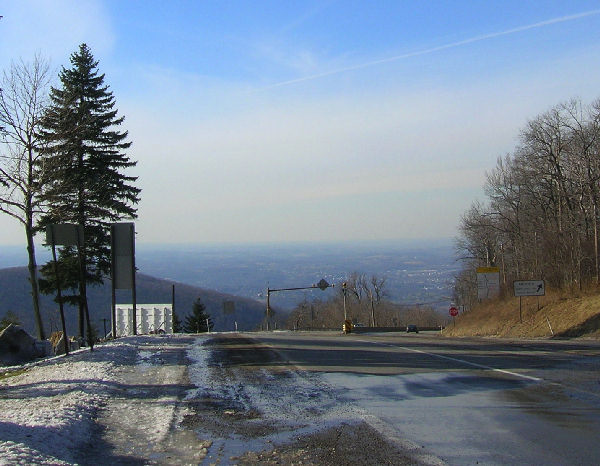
[[462, 361]]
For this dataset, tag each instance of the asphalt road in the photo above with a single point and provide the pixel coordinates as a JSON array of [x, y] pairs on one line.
[[465, 401]]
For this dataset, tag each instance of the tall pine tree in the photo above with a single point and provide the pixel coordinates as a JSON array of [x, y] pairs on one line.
[[86, 153]]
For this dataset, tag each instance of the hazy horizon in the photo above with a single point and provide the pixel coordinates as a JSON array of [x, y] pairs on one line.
[[19, 250]]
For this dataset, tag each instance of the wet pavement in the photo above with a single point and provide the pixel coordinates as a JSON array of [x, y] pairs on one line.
[[255, 408], [475, 401]]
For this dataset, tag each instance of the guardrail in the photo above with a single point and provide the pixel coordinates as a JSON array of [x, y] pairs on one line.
[[391, 329], [372, 329]]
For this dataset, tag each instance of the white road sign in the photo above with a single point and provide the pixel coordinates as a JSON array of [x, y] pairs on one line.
[[529, 288], [488, 282]]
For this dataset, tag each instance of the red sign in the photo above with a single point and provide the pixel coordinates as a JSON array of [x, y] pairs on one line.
[[453, 311]]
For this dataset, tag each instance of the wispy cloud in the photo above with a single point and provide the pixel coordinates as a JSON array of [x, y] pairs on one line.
[[471, 40], [308, 15]]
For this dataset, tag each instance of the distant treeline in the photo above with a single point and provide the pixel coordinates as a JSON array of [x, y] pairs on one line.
[[540, 219]]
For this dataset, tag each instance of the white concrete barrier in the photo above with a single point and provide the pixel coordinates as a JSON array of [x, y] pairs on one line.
[[150, 318]]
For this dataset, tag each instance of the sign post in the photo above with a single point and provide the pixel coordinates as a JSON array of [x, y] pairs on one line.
[[453, 312], [82, 287], [50, 238], [528, 288]]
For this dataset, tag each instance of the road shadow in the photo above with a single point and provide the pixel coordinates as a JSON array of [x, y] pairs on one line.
[[70, 451]]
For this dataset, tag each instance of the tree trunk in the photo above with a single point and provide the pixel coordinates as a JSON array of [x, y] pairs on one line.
[[595, 245], [80, 319], [35, 293], [373, 312]]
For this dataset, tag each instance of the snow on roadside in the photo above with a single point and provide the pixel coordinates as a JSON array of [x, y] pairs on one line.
[[198, 370], [142, 412], [47, 412], [291, 402]]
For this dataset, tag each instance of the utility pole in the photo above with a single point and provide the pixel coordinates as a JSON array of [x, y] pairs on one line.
[[344, 285]]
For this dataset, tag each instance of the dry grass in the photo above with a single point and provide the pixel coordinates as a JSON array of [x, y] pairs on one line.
[[575, 315]]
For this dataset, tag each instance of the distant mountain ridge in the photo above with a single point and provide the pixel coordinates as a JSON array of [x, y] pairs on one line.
[[15, 296]]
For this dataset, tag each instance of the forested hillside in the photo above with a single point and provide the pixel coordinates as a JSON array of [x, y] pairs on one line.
[[15, 296], [540, 218]]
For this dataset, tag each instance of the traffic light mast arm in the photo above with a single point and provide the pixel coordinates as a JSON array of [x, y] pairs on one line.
[[323, 285], [294, 289]]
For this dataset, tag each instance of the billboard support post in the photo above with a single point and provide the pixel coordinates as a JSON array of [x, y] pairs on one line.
[[113, 309], [133, 290], [58, 290], [82, 287], [520, 309]]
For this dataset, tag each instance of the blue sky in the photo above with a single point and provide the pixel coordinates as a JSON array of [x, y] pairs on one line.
[[317, 120]]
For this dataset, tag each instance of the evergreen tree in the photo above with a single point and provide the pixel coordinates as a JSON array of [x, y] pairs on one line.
[[198, 321], [85, 151]]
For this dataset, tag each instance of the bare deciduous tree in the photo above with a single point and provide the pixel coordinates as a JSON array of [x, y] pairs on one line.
[[23, 99], [541, 220]]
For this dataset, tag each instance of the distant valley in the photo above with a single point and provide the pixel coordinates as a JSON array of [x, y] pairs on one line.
[[416, 273]]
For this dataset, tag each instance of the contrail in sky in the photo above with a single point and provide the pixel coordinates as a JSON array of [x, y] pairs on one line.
[[451, 45]]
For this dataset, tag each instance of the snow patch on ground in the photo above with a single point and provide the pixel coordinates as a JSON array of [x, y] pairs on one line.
[[48, 412], [144, 359], [198, 371]]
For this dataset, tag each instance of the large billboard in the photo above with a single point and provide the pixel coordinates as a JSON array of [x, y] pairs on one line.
[[64, 234], [123, 252]]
